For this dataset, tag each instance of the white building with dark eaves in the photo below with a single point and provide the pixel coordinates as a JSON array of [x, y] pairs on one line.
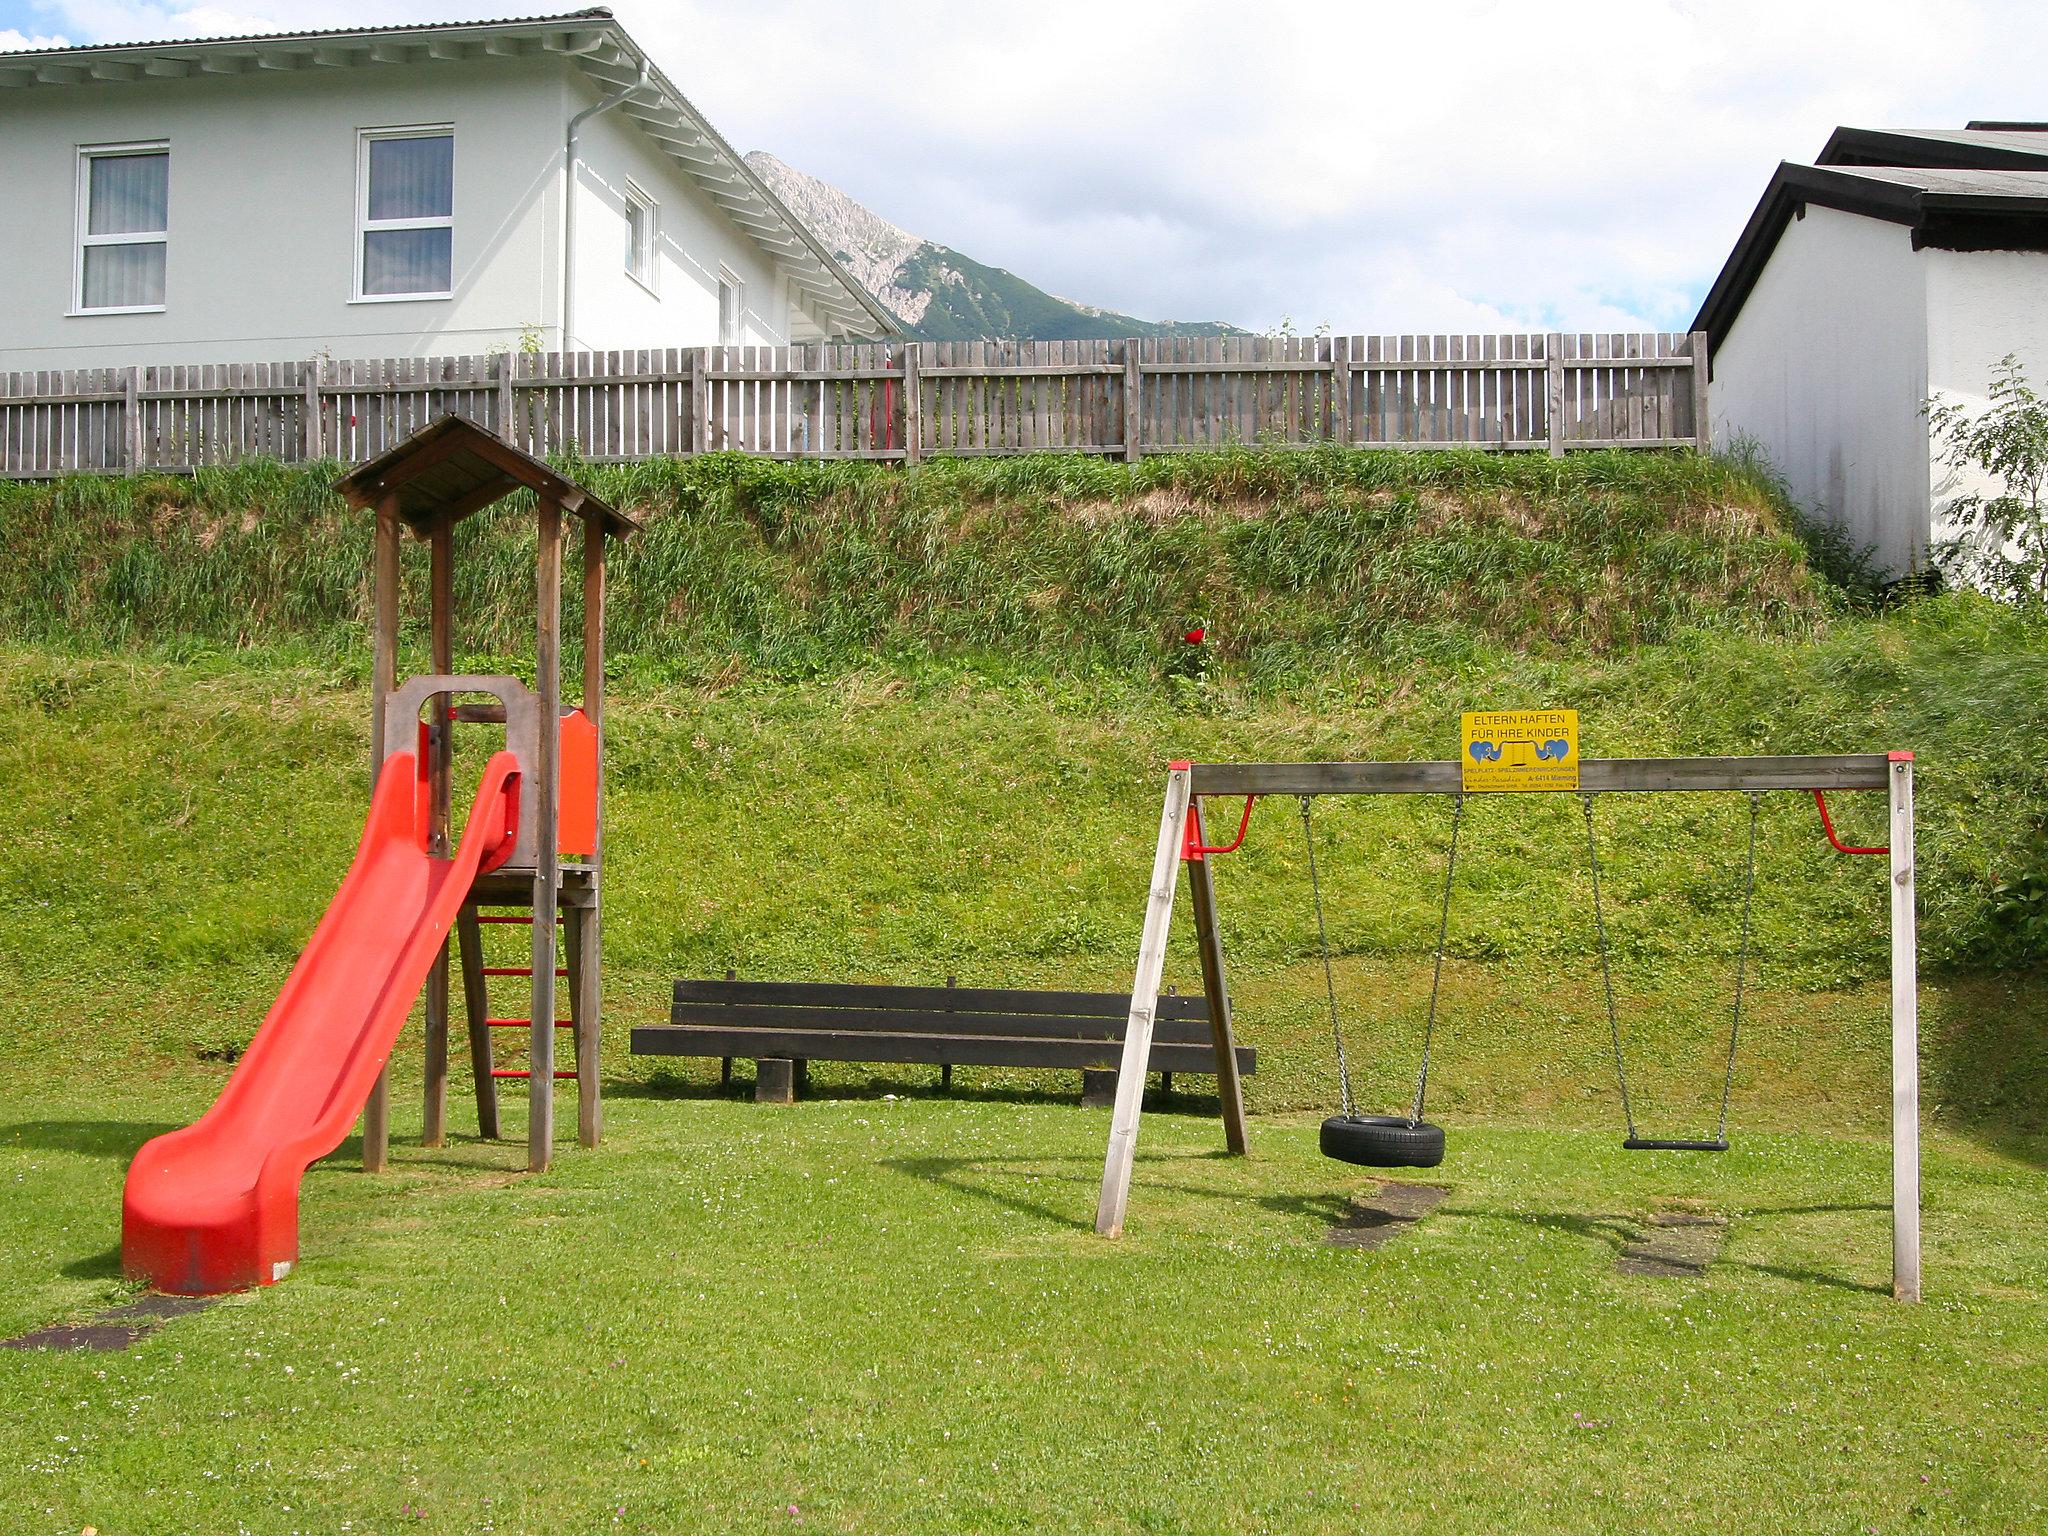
[[1900, 268], [390, 192]]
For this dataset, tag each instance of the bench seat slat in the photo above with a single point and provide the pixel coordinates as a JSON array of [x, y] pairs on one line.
[[845, 994], [920, 1048], [904, 1021]]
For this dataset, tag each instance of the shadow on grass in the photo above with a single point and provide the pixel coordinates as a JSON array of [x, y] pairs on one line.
[[104, 1265], [88, 1138], [955, 1173], [1618, 1232]]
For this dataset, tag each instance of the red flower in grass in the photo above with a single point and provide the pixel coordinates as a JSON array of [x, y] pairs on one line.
[[1194, 636]]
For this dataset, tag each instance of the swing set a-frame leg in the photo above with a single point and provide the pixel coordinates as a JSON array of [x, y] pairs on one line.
[[1137, 1053]]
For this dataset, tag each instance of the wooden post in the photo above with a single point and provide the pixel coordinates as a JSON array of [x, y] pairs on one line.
[[507, 361], [131, 420], [585, 949], [1905, 1040], [1209, 939], [1340, 388], [477, 1005], [1553, 354], [1130, 1083], [315, 446], [700, 405], [547, 666], [1133, 403], [383, 678], [441, 624], [1702, 419], [913, 404]]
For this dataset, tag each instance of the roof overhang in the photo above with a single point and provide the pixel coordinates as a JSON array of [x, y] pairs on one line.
[[591, 41], [451, 469], [1943, 219]]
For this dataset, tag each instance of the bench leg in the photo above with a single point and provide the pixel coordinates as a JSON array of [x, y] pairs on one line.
[[945, 1077], [725, 1071], [1098, 1087], [774, 1080], [1166, 1085]]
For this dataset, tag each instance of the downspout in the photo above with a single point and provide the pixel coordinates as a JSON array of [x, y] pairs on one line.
[[569, 164]]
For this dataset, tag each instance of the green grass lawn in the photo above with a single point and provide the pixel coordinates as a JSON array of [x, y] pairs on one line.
[[890, 1314], [879, 1314]]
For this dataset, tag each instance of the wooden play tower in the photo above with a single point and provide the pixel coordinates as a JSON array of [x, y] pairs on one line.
[[427, 484]]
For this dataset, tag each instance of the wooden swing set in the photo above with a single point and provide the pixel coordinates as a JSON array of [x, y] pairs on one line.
[[1406, 1140]]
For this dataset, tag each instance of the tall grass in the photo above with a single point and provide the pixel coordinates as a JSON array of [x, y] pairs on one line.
[[1297, 561]]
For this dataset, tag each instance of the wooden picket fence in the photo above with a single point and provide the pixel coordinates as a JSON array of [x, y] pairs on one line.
[[883, 400]]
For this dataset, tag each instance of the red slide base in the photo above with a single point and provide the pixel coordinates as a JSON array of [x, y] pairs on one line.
[[215, 1207]]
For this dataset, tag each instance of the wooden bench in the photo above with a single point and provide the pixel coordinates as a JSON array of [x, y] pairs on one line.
[[783, 1025]]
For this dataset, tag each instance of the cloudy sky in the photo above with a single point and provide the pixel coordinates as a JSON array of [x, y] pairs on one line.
[[1466, 165]]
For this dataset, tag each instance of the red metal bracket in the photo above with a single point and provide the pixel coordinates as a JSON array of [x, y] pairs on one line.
[[1191, 848], [1827, 825]]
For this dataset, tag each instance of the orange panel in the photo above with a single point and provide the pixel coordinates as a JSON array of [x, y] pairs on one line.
[[576, 821]]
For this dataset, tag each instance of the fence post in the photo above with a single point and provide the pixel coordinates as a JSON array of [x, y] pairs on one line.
[[1553, 354], [505, 398], [913, 404], [131, 420], [314, 447], [700, 405], [1702, 422], [1340, 389], [1133, 399]]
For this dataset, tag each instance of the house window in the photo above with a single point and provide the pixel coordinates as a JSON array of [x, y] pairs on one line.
[[405, 213], [123, 223], [732, 307], [642, 227]]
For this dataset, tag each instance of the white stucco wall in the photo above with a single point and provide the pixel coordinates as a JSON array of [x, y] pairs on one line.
[[1826, 367], [260, 263], [613, 311], [1981, 305]]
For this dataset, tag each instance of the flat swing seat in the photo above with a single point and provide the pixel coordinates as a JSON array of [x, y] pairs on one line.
[[1383, 1141], [1673, 1144]]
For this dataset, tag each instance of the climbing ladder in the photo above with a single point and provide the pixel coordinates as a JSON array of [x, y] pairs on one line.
[[476, 978]]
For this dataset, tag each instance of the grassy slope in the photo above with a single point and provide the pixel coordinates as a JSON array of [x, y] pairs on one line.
[[750, 1334]]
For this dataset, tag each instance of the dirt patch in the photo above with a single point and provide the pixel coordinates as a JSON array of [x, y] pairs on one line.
[[1674, 1245], [1376, 1220], [116, 1328]]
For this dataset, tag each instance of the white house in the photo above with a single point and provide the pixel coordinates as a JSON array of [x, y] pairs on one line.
[[387, 192], [1900, 268]]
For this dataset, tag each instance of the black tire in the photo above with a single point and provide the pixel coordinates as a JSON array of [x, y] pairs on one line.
[[1383, 1141]]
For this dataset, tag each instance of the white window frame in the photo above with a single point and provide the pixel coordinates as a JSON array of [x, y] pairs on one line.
[[727, 278], [365, 137], [87, 153], [648, 248]]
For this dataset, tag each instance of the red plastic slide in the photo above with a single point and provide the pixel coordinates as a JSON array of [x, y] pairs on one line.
[[215, 1207]]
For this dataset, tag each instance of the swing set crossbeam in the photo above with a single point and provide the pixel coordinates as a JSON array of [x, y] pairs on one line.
[[1597, 775]]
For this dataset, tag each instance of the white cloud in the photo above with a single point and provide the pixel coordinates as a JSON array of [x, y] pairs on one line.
[[1470, 164]]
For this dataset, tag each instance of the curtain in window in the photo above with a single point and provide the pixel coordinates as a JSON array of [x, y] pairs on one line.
[[408, 261], [412, 178], [122, 276], [129, 194]]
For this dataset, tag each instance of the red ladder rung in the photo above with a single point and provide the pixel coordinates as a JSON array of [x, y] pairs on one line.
[[524, 1023], [522, 1072], [519, 970]]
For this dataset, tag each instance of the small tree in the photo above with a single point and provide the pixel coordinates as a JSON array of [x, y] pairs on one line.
[[2003, 545]]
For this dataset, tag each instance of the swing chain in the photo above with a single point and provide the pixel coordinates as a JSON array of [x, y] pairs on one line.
[[1628, 1113], [1741, 967], [1436, 980], [1323, 940]]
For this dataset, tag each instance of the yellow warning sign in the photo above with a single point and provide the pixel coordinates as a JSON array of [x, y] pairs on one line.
[[1505, 749]]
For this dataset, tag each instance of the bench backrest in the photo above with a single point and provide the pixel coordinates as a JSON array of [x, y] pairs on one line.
[[967, 1010]]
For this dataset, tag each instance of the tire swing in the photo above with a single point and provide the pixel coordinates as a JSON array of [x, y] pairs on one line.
[[1382, 1141]]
